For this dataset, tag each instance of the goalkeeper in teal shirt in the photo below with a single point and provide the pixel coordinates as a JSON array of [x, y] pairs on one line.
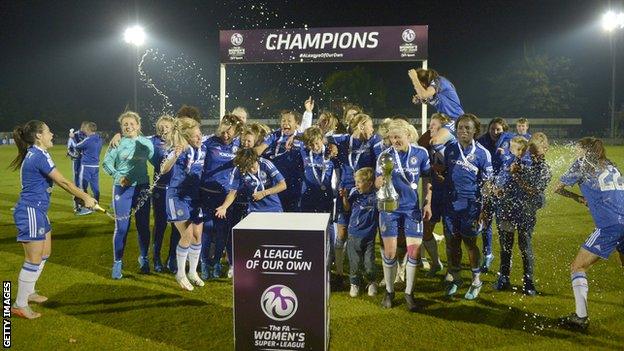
[[127, 164]]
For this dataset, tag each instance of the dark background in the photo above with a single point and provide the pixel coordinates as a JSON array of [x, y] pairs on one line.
[[64, 61]]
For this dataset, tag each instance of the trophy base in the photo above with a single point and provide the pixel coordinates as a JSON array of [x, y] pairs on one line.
[[387, 206]]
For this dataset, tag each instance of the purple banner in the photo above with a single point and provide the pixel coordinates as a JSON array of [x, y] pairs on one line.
[[398, 43]]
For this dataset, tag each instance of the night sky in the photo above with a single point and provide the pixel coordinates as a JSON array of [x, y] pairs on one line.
[[67, 61]]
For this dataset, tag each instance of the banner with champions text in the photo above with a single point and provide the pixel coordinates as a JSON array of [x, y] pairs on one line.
[[281, 282], [343, 44]]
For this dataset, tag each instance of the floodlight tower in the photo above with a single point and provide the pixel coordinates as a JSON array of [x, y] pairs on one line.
[[611, 22], [135, 36]]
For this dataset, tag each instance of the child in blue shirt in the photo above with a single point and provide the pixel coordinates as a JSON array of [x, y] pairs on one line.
[[520, 188], [363, 223], [522, 128], [354, 151]]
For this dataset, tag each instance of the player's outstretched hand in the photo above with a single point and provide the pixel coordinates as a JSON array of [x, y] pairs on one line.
[[220, 212], [90, 202], [87, 202]]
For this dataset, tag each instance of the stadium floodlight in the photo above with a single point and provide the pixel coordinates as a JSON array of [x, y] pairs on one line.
[[612, 21], [135, 35]]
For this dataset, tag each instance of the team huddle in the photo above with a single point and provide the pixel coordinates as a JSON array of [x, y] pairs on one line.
[[456, 173]]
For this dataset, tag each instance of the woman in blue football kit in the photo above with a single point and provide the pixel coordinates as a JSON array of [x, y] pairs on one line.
[[496, 141], [220, 151], [127, 164], [437, 91], [164, 126], [317, 194], [38, 173], [185, 164], [410, 162], [602, 186], [316, 191], [258, 180], [355, 151], [283, 151], [468, 166], [438, 206], [89, 150]]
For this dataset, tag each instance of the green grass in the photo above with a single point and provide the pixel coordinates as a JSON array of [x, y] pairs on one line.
[[88, 311]]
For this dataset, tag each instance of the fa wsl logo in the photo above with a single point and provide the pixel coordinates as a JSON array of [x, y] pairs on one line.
[[408, 35], [279, 302], [237, 52], [236, 39], [408, 49]]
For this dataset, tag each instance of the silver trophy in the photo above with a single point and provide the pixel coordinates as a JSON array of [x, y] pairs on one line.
[[387, 196]]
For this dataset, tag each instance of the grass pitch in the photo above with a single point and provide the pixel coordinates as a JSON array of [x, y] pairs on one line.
[[89, 311]]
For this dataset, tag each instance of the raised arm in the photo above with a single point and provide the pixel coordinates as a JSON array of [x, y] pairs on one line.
[[69, 187], [306, 121], [171, 160], [422, 92]]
